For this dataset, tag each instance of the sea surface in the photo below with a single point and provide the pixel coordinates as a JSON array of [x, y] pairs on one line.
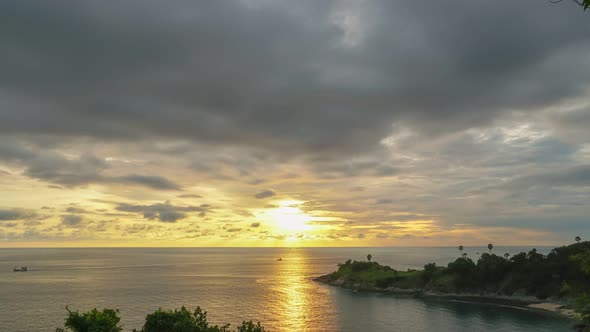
[[236, 284]]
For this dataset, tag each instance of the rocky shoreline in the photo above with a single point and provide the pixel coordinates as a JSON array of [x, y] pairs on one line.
[[521, 302]]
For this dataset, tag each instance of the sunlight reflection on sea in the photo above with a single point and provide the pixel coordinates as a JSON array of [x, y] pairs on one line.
[[237, 284]]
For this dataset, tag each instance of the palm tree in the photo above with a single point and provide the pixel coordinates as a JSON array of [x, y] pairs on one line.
[[578, 239], [369, 256], [464, 255], [490, 247], [506, 255], [461, 250]]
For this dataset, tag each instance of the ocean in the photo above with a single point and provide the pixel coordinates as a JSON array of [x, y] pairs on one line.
[[235, 284]]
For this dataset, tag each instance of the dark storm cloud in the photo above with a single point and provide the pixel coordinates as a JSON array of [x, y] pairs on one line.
[[237, 73], [265, 194], [547, 187], [164, 212], [54, 167], [573, 125], [350, 168], [50, 166], [578, 176]]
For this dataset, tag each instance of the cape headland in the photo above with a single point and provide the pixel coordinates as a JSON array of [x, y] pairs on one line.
[[558, 282]]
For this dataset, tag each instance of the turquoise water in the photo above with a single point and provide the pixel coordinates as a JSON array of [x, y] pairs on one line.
[[236, 284]]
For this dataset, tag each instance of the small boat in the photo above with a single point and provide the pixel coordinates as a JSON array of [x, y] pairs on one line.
[[20, 269]]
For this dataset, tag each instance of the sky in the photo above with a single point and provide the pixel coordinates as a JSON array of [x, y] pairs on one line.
[[293, 123]]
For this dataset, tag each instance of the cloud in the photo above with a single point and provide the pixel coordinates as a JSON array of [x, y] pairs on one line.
[[578, 176], [15, 214], [73, 209], [405, 110], [165, 212], [383, 201], [68, 172], [255, 224], [317, 94], [140, 228], [573, 125], [265, 194], [355, 168], [84, 169], [154, 182], [190, 196], [71, 220]]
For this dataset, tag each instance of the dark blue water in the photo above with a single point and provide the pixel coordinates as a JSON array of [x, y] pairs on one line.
[[237, 284]]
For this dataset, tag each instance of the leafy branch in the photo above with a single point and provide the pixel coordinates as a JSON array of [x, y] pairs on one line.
[[582, 3]]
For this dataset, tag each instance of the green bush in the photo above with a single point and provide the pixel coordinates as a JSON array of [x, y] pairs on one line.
[[582, 306], [429, 270], [181, 320], [361, 266], [94, 320], [492, 268], [176, 321]]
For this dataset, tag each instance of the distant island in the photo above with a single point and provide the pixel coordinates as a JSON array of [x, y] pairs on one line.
[[558, 281]]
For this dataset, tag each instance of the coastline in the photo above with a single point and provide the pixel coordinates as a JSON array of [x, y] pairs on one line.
[[520, 302]]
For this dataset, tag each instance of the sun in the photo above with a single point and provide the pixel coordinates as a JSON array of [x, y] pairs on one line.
[[289, 217]]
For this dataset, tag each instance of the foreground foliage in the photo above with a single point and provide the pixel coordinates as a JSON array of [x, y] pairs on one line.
[[94, 320], [582, 3], [182, 320]]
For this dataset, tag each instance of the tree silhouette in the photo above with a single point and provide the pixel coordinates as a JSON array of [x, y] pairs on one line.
[[369, 257], [506, 255], [490, 247], [461, 250], [578, 239]]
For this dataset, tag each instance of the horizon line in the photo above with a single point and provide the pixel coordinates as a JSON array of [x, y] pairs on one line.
[[270, 247]]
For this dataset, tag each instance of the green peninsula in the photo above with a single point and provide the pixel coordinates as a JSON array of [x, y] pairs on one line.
[[560, 279]]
